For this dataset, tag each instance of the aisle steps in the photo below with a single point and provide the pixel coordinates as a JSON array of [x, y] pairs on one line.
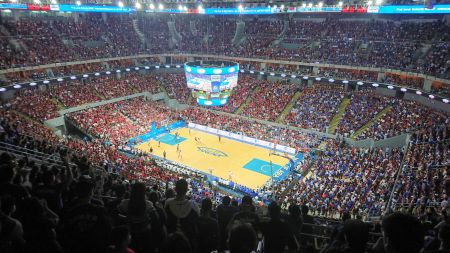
[[377, 117], [335, 121], [247, 101], [288, 107]]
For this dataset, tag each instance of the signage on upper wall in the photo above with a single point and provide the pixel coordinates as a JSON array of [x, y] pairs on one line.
[[390, 9]]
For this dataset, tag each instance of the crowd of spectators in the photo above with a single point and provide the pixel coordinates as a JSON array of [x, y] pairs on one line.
[[262, 104], [341, 180], [316, 107], [346, 179], [175, 86], [365, 104], [35, 103], [404, 116], [107, 123], [143, 112], [360, 43], [74, 93], [424, 180], [246, 86], [410, 81]]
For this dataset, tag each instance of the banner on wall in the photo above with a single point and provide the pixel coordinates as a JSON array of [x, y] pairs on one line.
[[12, 6], [389, 9], [90, 8], [410, 9]]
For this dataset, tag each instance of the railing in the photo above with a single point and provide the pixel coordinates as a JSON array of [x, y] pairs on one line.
[[36, 155]]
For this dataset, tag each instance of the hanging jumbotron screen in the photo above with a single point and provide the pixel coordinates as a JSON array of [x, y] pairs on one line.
[[211, 82]]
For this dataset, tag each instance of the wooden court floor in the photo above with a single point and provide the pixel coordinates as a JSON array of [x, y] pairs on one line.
[[225, 158]]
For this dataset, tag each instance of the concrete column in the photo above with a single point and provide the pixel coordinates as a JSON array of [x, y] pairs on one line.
[[346, 87], [262, 66], [315, 70], [16, 15], [76, 17], [380, 77], [309, 82], [427, 84], [104, 17], [446, 20], [118, 75]]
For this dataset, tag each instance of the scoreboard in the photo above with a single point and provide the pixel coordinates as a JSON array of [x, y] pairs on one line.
[[211, 82]]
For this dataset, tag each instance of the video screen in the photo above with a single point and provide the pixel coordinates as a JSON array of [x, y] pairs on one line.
[[211, 83]]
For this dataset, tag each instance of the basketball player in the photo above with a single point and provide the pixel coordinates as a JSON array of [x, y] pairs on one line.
[[164, 154], [159, 143], [230, 175], [219, 137], [178, 148]]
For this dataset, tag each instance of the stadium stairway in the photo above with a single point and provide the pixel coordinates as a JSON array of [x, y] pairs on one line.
[[98, 94], [58, 104], [140, 34], [377, 117], [335, 121], [26, 116], [288, 107], [249, 98], [189, 100]]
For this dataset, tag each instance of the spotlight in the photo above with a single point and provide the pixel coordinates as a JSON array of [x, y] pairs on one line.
[[340, 4], [152, 6], [161, 6], [138, 5], [120, 4], [78, 2]]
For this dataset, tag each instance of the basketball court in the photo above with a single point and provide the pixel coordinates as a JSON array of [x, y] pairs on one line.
[[242, 163]]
